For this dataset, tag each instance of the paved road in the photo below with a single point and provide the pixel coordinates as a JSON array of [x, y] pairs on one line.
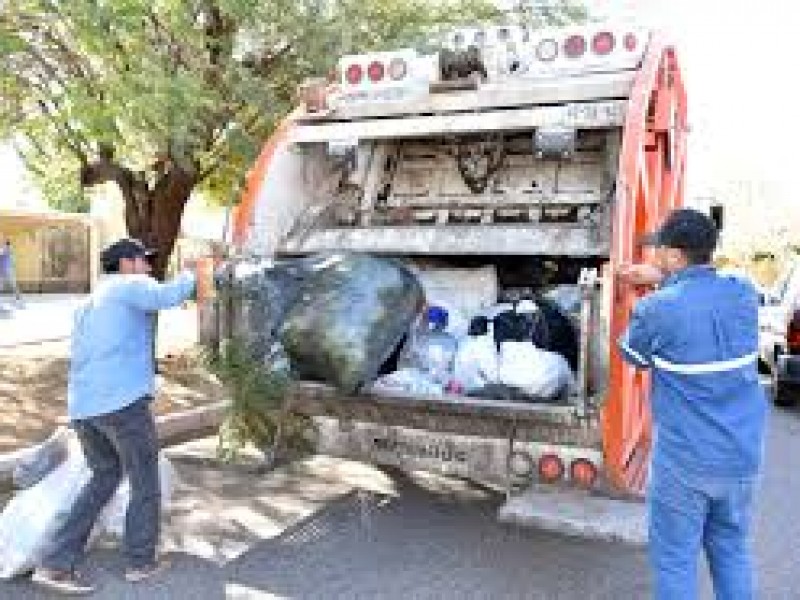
[[440, 540]]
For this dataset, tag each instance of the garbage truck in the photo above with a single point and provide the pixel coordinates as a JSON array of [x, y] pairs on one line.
[[540, 154]]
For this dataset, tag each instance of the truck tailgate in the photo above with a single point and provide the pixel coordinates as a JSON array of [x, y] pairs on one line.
[[557, 424]]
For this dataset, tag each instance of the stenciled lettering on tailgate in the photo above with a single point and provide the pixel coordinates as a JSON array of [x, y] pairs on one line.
[[443, 450]]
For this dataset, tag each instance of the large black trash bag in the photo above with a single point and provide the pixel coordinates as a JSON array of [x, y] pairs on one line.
[[349, 319], [562, 333], [263, 293]]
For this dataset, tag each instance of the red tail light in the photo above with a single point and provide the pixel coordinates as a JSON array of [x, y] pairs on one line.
[[354, 74], [574, 46], [603, 43], [793, 335], [397, 69], [630, 42], [551, 468], [375, 71], [582, 473]]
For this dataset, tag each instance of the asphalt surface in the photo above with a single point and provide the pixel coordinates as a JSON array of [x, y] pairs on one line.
[[439, 539]]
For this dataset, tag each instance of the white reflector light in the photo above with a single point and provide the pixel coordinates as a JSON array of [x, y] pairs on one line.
[[547, 50], [397, 69]]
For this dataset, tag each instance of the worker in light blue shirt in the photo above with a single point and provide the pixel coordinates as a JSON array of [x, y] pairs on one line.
[[111, 385], [697, 334]]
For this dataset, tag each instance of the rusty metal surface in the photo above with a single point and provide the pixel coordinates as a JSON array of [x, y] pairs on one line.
[[541, 239], [609, 113], [557, 424], [499, 95]]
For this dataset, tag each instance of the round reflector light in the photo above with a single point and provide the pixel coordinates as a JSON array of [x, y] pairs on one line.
[[551, 468], [375, 71], [630, 42], [354, 74], [583, 473], [397, 69], [521, 464], [603, 43], [574, 46], [547, 50]]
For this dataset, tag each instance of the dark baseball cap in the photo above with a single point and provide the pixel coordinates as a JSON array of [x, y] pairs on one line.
[[685, 229], [124, 248]]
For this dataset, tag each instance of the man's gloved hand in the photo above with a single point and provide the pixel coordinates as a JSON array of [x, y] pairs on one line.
[[640, 274], [208, 283]]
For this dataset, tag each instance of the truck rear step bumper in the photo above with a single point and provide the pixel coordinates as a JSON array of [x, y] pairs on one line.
[[577, 513]]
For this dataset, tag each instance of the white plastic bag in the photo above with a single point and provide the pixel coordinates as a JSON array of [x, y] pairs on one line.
[[431, 352], [31, 517], [41, 459], [112, 520], [537, 372], [408, 381], [462, 292], [476, 362]]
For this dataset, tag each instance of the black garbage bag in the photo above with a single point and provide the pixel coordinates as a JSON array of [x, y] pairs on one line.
[[562, 334], [513, 326], [349, 318], [263, 292]]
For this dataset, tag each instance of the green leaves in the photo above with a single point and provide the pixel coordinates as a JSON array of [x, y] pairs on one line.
[[257, 412], [197, 81]]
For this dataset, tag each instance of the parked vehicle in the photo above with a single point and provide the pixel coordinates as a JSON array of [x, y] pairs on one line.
[[779, 336]]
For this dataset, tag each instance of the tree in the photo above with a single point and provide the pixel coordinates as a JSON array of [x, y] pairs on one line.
[[166, 97], [542, 13]]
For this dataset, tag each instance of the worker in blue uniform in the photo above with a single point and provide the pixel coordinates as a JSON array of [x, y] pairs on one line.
[[697, 334]]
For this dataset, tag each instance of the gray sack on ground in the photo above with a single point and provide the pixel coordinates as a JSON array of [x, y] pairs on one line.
[[350, 317]]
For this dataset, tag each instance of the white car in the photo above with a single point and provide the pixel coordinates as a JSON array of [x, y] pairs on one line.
[[779, 335]]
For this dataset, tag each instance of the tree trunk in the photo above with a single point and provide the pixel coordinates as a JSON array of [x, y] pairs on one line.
[[154, 215], [153, 212]]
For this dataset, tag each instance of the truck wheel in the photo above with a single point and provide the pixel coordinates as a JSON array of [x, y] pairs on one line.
[[785, 395]]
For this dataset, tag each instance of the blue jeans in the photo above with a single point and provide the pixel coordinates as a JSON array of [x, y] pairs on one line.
[[122, 441], [687, 512]]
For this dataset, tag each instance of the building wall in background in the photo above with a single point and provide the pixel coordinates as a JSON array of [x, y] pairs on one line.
[[52, 251]]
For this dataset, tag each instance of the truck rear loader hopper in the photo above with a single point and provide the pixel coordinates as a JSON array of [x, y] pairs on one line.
[[588, 162]]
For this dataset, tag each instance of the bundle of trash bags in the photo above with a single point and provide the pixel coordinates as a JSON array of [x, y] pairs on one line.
[[504, 355], [358, 321]]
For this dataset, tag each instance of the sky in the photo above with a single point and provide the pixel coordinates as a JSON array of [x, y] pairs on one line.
[[736, 59]]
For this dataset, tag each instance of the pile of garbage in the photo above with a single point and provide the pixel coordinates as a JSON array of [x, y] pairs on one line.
[[503, 356], [362, 322]]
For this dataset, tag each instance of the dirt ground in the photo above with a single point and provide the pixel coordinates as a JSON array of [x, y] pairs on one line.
[[33, 385]]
